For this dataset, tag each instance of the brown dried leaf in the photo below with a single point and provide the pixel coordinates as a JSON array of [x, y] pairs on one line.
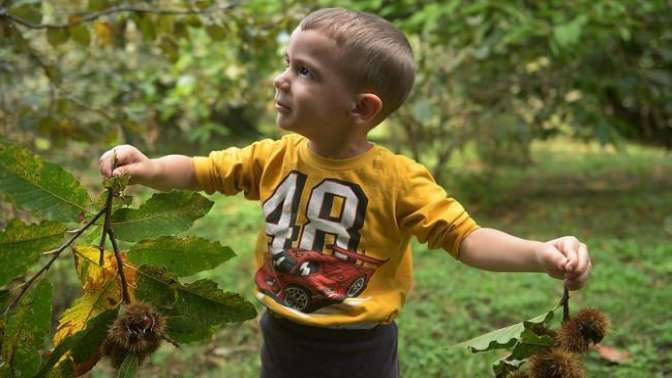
[[612, 355]]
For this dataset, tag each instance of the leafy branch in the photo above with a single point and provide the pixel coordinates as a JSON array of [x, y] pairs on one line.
[[76, 20], [179, 313], [536, 350], [56, 253]]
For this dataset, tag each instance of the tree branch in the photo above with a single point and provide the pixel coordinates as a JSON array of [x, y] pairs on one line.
[[108, 213], [117, 9], [106, 225], [565, 305], [120, 267]]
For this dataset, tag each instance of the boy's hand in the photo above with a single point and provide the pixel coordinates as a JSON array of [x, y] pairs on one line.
[[566, 258], [129, 160]]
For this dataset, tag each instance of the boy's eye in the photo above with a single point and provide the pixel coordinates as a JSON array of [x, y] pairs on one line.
[[303, 71]]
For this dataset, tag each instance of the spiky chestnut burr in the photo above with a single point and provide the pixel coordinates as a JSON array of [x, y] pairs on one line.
[[555, 363], [139, 331], [519, 374], [586, 327]]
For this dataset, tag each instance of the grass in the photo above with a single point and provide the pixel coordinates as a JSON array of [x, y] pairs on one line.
[[620, 204]]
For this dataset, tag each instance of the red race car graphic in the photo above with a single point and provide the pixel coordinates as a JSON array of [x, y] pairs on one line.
[[317, 279]]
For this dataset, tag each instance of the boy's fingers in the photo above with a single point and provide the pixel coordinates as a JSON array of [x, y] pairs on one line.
[[125, 169], [569, 247], [124, 154], [576, 283], [557, 261], [105, 163], [583, 259]]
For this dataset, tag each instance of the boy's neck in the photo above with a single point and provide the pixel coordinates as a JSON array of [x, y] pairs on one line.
[[340, 150]]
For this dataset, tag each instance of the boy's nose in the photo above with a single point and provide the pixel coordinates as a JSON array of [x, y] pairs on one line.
[[281, 81]]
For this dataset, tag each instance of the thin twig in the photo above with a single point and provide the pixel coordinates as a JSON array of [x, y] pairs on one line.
[[50, 252], [56, 254], [120, 267], [108, 213], [106, 225], [565, 305], [112, 10], [168, 339]]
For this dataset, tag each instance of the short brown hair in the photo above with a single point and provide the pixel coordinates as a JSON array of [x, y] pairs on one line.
[[378, 55]]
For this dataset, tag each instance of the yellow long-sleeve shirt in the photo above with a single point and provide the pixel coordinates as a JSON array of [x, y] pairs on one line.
[[335, 247]]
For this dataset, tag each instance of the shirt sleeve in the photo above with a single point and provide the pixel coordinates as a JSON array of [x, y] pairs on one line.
[[428, 213], [234, 169]]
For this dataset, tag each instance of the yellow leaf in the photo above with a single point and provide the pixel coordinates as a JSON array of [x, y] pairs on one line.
[[100, 289], [104, 32], [88, 306], [74, 20], [92, 275]]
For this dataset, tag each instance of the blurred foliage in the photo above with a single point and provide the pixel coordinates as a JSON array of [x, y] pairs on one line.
[[137, 73], [194, 75]]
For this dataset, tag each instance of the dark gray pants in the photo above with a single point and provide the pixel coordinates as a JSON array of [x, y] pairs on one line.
[[292, 350]]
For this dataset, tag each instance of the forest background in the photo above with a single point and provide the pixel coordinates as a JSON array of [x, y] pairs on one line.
[[542, 118]]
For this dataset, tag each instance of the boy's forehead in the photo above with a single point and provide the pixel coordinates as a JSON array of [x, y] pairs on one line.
[[311, 42]]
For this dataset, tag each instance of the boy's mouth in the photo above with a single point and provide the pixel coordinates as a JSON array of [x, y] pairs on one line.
[[282, 108]]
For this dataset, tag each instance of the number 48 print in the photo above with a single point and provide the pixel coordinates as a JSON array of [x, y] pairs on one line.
[[282, 207]]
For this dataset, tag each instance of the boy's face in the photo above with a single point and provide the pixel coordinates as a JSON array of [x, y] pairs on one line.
[[311, 94]]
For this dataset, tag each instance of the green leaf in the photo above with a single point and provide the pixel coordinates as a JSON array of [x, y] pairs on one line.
[[146, 25], [505, 366], [504, 337], [98, 5], [181, 30], [528, 344], [26, 329], [194, 21], [195, 310], [80, 34], [4, 302], [203, 3], [84, 344], [201, 307], [169, 48], [568, 34], [4, 299], [165, 25], [64, 369], [129, 367], [163, 214], [22, 244], [216, 32], [183, 256], [158, 287], [117, 183], [29, 12], [41, 187], [54, 74], [57, 36]]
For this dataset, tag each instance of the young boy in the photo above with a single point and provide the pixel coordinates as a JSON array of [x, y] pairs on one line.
[[333, 260]]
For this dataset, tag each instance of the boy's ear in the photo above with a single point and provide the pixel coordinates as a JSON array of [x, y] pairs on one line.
[[367, 108]]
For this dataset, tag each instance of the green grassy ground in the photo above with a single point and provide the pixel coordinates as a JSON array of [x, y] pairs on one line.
[[620, 204]]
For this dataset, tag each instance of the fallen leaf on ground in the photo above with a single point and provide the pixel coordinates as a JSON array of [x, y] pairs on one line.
[[612, 355]]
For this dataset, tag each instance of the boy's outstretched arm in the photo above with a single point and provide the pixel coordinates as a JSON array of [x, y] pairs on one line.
[[563, 258], [164, 173]]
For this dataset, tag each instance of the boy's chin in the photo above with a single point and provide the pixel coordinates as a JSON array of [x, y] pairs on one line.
[[284, 125]]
